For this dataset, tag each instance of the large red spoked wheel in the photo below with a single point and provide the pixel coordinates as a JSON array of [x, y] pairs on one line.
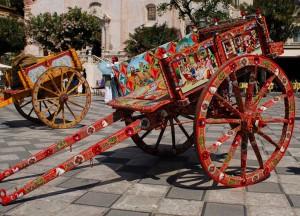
[[259, 124]]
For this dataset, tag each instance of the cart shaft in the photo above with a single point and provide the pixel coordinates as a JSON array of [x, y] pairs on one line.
[[62, 144], [73, 162]]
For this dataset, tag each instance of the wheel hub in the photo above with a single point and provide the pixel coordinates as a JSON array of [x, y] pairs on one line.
[[63, 98], [252, 120]]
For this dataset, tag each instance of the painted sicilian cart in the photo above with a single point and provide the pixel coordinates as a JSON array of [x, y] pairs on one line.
[[47, 90], [189, 88]]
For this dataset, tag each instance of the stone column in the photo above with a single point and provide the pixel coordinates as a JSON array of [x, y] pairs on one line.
[[27, 8]]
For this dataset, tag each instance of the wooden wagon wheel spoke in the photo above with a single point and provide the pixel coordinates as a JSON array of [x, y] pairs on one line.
[[146, 134], [237, 92], [236, 142], [227, 104], [53, 103], [47, 108], [75, 104], [47, 99], [263, 91], [256, 150], [63, 113], [70, 110], [270, 120], [53, 83], [78, 95], [62, 88], [251, 86], [181, 127], [268, 104], [268, 138], [160, 137], [69, 82], [48, 90], [74, 88], [244, 154], [222, 121], [188, 117], [55, 114], [221, 140], [173, 133], [23, 105], [29, 114]]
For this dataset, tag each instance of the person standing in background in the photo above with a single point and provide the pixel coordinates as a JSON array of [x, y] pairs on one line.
[[114, 84], [111, 89]]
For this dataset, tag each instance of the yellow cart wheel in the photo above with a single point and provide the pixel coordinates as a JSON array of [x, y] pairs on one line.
[[58, 98]]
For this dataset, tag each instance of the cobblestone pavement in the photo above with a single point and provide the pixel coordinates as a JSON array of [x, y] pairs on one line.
[[126, 181]]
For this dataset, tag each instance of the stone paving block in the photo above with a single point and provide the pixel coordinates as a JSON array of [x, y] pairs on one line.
[[80, 210], [115, 212], [99, 172], [137, 203], [188, 194], [269, 211], [140, 170], [265, 187], [225, 196], [213, 209], [37, 207], [4, 209], [99, 199], [289, 179], [18, 143], [49, 193], [295, 200], [118, 186], [266, 199], [12, 149], [180, 207], [291, 188], [297, 211], [155, 180], [148, 190], [8, 157], [80, 184]]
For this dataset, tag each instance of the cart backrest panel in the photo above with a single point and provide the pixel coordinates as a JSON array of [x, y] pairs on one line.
[[143, 71], [68, 58], [241, 40], [194, 65]]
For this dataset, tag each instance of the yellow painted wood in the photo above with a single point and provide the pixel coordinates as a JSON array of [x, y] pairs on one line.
[[4, 103]]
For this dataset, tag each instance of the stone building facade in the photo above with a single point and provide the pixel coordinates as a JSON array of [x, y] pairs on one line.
[[121, 18]]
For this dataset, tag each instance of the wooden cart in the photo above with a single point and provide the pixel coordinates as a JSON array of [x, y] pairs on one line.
[[47, 90], [191, 88]]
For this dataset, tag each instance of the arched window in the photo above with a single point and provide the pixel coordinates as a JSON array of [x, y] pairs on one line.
[[95, 4], [151, 12]]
